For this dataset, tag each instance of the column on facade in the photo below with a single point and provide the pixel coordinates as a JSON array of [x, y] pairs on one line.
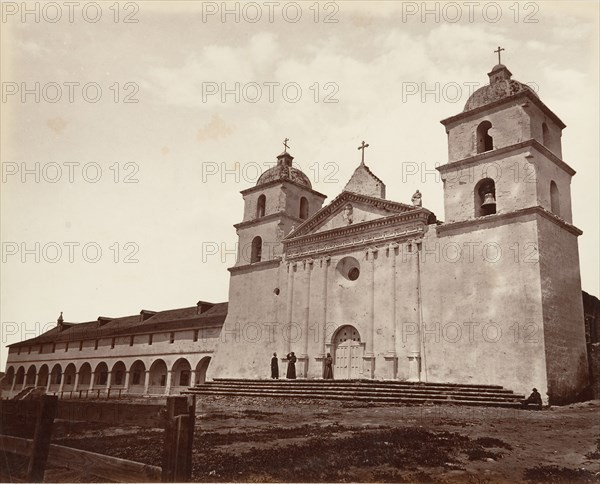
[[169, 380], [108, 377], [290, 304], [37, 378], [24, 381], [303, 357], [48, 382], [308, 265], [92, 379], [369, 357], [391, 348], [146, 382], [192, 378], [414, 355], [14, 382], [325, 263], [371, 302]]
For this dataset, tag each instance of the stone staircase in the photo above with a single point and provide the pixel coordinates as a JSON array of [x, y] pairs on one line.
[[376, 391], [23, 393]]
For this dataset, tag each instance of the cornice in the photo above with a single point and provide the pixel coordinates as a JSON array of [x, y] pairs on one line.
[[363, 244], [533, 143], [267, 218], [515, 97], [266, 264], [343, 238], [274, 183], [507, 217]]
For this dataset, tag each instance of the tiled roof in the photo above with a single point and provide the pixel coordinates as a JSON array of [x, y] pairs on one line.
[[169, 320]]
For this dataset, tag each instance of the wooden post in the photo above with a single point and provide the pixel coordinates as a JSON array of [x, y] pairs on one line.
[[181, 457], [191, 400], [178, 441], [41, 438]]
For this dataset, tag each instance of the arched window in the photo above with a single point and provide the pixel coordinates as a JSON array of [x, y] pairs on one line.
[[554, 198], [484, 140], [260, 206], [545, 135], [256, 254], [303, 208], [485, 197]]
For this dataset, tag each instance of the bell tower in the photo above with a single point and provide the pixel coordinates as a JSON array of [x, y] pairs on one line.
[[506, 186], [282, 199], [505, 154]]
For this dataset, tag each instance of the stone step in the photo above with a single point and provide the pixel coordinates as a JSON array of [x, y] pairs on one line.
[[353, 382], [374, 399], [354, 392], [308, 384], [364, 391]]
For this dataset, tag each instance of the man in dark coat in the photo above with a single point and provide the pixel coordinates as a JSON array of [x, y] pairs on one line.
[[274, 367], [291, 369], [328, 371], [535, 399]]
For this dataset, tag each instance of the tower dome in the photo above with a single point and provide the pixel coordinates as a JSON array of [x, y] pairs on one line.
[[284, 171], [501, 86]]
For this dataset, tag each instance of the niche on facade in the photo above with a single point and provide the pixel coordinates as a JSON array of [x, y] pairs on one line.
[[554, 198], [545, 135], [303, 208]]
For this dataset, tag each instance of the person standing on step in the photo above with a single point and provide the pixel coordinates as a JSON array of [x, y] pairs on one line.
[[328, 370], [291, 369], [274, 367]]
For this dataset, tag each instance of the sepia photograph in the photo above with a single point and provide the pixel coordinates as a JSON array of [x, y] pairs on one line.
[[300, 241]]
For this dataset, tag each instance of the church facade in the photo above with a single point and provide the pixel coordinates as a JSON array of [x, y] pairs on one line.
[[492, 295]]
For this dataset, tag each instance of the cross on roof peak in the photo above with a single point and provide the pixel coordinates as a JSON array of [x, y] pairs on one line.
[[285, 145], [497, 51], [362, 147]]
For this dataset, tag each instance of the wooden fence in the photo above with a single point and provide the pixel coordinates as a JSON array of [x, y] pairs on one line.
[[22, 419]]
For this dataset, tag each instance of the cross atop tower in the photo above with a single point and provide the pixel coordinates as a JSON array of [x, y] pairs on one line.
[[362, 147], [500, 49], [285, 145]]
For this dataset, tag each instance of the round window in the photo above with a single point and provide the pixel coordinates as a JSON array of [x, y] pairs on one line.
[[349, 269], [353, 273]]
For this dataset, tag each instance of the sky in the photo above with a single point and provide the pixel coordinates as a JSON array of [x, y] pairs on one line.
[[128, 129]]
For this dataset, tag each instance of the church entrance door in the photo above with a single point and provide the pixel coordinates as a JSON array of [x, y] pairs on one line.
[[348, 353]]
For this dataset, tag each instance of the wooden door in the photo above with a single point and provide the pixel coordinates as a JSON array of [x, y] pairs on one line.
[[348, 354]]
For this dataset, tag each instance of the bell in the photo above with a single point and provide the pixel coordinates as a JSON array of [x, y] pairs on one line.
[[488, 200]]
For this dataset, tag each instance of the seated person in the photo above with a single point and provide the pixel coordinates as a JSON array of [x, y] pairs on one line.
[[535, 399]]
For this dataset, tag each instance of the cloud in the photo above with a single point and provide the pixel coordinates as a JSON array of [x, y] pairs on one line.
[[215, 129], [183, 85]]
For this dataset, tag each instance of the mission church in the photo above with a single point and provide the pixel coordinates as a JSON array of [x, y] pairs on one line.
[[490, 295]]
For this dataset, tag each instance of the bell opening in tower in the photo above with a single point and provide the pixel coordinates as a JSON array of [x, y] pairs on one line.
[[484, 141], [485, 198]]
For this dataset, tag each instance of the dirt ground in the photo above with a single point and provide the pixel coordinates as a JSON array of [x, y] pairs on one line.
[[269, 440]]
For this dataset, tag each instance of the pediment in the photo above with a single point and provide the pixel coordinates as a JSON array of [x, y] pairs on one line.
[[349, 209]]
